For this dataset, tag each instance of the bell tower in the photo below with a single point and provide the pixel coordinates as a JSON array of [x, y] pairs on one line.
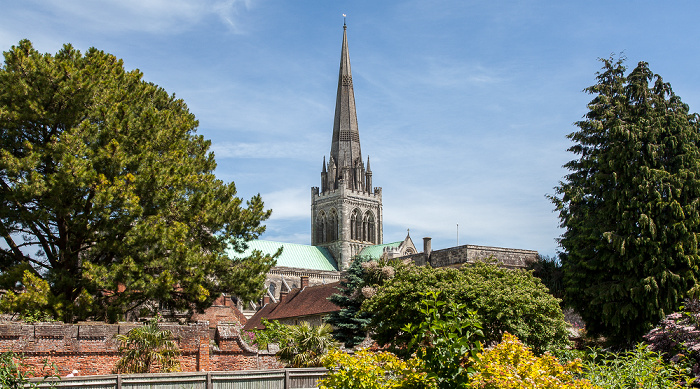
[[346, 211]]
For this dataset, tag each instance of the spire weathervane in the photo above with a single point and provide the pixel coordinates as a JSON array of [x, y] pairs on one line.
[[344, 20]]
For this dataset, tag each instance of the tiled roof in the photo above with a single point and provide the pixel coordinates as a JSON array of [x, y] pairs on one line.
[[312, 300], [293, 255], [375, 252]]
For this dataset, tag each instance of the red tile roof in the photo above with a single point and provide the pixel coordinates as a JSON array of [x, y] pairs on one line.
[[312, 300]]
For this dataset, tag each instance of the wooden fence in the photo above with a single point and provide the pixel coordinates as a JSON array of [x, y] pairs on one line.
[[257, 379]]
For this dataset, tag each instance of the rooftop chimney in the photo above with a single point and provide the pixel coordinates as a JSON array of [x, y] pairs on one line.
[[283, 295], [427, 243], [266, 299], [304, 281]]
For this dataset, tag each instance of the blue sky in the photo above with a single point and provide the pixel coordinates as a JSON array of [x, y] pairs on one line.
[[463, 106]]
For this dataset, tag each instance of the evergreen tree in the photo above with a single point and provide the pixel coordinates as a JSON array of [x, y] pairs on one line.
[[349, 322], [108, 194], [629, 205]]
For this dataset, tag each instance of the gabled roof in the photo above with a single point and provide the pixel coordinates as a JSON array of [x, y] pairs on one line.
[[311, 300], [376, 251], [293, 255]]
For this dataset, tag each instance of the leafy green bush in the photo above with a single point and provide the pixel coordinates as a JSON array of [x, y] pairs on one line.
[[638, 368], [373, 370], [447, 343], [13, 375], [505, 300]]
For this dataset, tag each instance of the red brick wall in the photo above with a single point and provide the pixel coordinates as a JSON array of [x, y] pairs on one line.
[[91, 348]]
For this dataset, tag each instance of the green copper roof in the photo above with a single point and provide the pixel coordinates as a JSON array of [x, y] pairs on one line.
[[375, 252], [294, 255]]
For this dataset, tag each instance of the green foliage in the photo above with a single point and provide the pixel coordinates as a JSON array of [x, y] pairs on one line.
[[12, 375], [373, 370], [35, 302], [447, 342], [300, 345], [629, 204], [511, 365], [273, 333], [364, 275], [108, 194], [505, 300], [638, 368], [147, 349], [549, 271]]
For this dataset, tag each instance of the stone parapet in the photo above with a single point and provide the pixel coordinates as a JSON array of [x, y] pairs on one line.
[[456, 256]]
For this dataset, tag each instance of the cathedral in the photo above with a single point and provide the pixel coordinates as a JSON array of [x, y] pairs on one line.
[[346, 215], [346, 211]]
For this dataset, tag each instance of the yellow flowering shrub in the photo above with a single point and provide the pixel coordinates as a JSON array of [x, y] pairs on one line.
[[373, 370], [511, 364]]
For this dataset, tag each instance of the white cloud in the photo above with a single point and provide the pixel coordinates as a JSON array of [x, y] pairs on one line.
[[292, 203], [155, 16], [262, 150]]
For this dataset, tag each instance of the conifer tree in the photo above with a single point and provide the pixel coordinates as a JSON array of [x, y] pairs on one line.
[[108, 194], [629, 205], [349, 322]]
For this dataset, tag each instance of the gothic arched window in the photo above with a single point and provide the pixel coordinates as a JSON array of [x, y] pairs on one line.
[[355, 225], [332, 230], [368, 229], [321, 227], [272, 288]]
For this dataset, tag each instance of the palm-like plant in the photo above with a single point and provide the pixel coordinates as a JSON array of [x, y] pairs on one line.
[[306, 345], [147, 347]]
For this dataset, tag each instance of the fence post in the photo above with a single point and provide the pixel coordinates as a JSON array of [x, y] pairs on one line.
[[287, 380], [119, 381], [209, 384]]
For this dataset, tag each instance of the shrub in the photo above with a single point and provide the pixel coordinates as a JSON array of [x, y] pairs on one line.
[[638, 368], [677, 337], [447, 343], [505, 300], [510, 364], [373, 370], [12, 375]]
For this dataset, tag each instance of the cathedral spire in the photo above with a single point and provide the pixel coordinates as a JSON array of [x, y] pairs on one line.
[[346, 214], [345, 147]]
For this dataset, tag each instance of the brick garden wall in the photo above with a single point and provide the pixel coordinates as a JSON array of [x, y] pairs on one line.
[[91, 348]]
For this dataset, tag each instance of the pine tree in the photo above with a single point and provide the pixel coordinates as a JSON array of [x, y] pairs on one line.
[[629, 205], [108, 194]]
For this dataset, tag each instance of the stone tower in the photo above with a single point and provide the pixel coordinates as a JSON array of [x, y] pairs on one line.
[[346, 212]]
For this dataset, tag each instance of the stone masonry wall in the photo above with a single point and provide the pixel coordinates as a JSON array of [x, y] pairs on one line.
[[455, 256], [92, 349]]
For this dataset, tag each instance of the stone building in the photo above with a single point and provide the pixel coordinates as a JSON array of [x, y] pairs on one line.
[[347, 216], [346, 211]]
